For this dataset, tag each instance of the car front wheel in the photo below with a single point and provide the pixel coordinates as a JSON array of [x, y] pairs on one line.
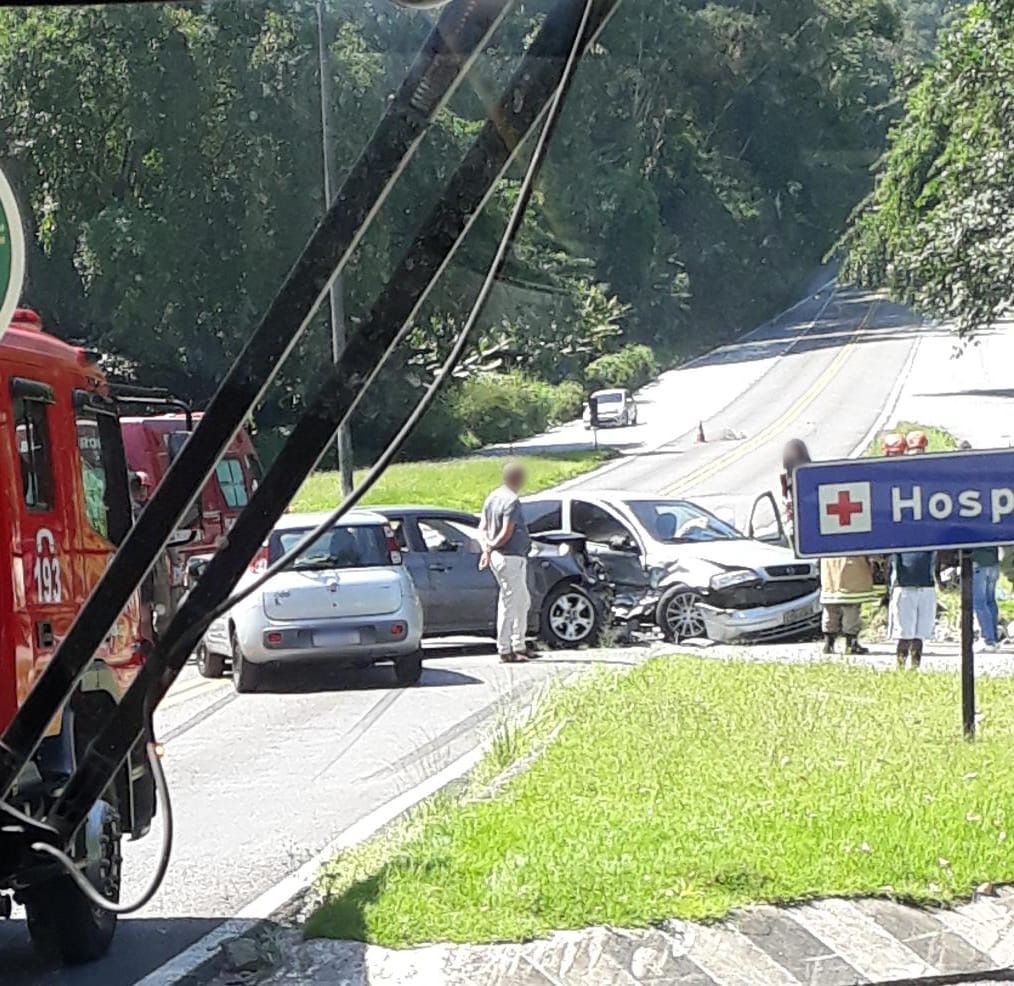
[[678, 614], [569, 618], [209, 665]]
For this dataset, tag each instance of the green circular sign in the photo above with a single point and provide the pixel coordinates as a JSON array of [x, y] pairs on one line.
[[12, 254]]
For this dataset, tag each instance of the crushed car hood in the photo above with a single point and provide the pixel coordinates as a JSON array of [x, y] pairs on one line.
[[720, 556]]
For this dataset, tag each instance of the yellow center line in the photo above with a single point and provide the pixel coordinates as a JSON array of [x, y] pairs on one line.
[[781, 423]]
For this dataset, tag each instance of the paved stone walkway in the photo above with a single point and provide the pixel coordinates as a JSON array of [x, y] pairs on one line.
[[824, 943]]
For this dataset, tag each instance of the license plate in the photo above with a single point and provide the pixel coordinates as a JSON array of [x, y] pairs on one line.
[[798, 615], [335, 638]]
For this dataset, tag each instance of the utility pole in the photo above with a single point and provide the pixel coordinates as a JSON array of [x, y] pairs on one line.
[[343, 444]]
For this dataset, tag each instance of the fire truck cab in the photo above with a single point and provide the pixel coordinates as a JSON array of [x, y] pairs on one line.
[[64, 507], [151, 444]]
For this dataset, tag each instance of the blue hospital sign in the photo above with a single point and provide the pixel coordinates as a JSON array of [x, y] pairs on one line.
[[870, 506]]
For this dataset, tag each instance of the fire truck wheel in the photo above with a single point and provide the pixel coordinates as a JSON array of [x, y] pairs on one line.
[[62, 922], [408, 670], [245, 675], [209, 665]]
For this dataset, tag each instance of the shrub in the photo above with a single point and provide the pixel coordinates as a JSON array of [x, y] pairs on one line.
[[632, 367], [566, 401], [501, 407]]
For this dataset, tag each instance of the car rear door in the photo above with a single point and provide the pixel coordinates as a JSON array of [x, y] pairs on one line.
[[463, 598]]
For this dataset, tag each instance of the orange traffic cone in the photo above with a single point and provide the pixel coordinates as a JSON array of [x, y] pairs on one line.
[[700, 433]]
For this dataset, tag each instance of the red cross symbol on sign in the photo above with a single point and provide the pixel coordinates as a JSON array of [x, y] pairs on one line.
[[844, 508]]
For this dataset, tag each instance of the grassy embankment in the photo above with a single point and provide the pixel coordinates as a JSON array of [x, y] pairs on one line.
[[458, 483], [688, 787]]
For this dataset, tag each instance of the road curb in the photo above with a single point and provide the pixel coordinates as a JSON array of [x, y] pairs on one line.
[[205, 950]]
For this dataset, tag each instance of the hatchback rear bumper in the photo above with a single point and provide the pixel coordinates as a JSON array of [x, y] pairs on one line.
[[347, 640]]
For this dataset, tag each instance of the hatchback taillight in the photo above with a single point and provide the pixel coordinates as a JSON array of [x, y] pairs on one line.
[[393, 547]]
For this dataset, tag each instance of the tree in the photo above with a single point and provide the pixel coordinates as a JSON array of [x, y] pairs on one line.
[[938, 231], [170, 160]]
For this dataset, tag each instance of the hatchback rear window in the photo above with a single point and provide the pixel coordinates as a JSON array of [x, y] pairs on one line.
[[609, 399], [355, 546]]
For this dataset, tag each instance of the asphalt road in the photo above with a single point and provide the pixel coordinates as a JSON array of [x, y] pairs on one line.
[[263, 782], [824, 375]]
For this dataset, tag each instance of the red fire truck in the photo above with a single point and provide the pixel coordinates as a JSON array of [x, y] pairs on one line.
[[151, 443], [64, 506]]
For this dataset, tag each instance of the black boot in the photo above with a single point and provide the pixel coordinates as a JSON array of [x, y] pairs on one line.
[[852, 646], [829, 642], [902, 654], [916, 654]]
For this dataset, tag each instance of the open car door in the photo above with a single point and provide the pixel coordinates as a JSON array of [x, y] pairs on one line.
[[766, 522]]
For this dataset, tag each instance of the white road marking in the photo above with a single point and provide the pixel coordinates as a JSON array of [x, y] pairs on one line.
[[891, 404], [870, 949]]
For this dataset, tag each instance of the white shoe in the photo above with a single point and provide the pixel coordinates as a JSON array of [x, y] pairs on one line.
[[983, 648]]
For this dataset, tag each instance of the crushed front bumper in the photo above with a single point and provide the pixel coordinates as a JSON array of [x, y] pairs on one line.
[[729, 626]]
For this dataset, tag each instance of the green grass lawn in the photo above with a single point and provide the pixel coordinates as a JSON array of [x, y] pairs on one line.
[[459, 483], [688, 787]]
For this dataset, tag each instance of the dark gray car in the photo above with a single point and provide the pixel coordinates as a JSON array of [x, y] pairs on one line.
[[570, 595]]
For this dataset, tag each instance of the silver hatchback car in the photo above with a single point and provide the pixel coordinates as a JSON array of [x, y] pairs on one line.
[[348, 599]]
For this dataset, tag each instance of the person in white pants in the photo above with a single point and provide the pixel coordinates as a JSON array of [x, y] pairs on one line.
[[506, 544]]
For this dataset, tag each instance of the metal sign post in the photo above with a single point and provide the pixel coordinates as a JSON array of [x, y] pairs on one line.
[[12, 254], [967, 653], [947, 501]]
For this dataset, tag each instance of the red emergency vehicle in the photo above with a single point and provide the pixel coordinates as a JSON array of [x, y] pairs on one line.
[[151, 443], [64, 506]]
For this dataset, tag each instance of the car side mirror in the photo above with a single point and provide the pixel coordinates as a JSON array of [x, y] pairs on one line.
[[621, 542], [175, 441]]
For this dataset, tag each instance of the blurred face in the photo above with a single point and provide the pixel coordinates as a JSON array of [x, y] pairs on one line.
[[514, 478]]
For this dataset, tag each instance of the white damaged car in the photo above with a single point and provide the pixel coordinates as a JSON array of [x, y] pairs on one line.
[[679, 566]]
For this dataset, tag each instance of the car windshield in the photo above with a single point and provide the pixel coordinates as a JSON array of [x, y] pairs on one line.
[[609, 399], [675, 521], [354, 546]]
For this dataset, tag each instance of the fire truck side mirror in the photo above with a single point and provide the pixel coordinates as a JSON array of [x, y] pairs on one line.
[[187, 530], [175, 441]]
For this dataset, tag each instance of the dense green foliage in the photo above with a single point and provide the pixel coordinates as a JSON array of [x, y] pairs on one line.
[[169, 158], [632, 367], [502, 407], [938, 230]]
